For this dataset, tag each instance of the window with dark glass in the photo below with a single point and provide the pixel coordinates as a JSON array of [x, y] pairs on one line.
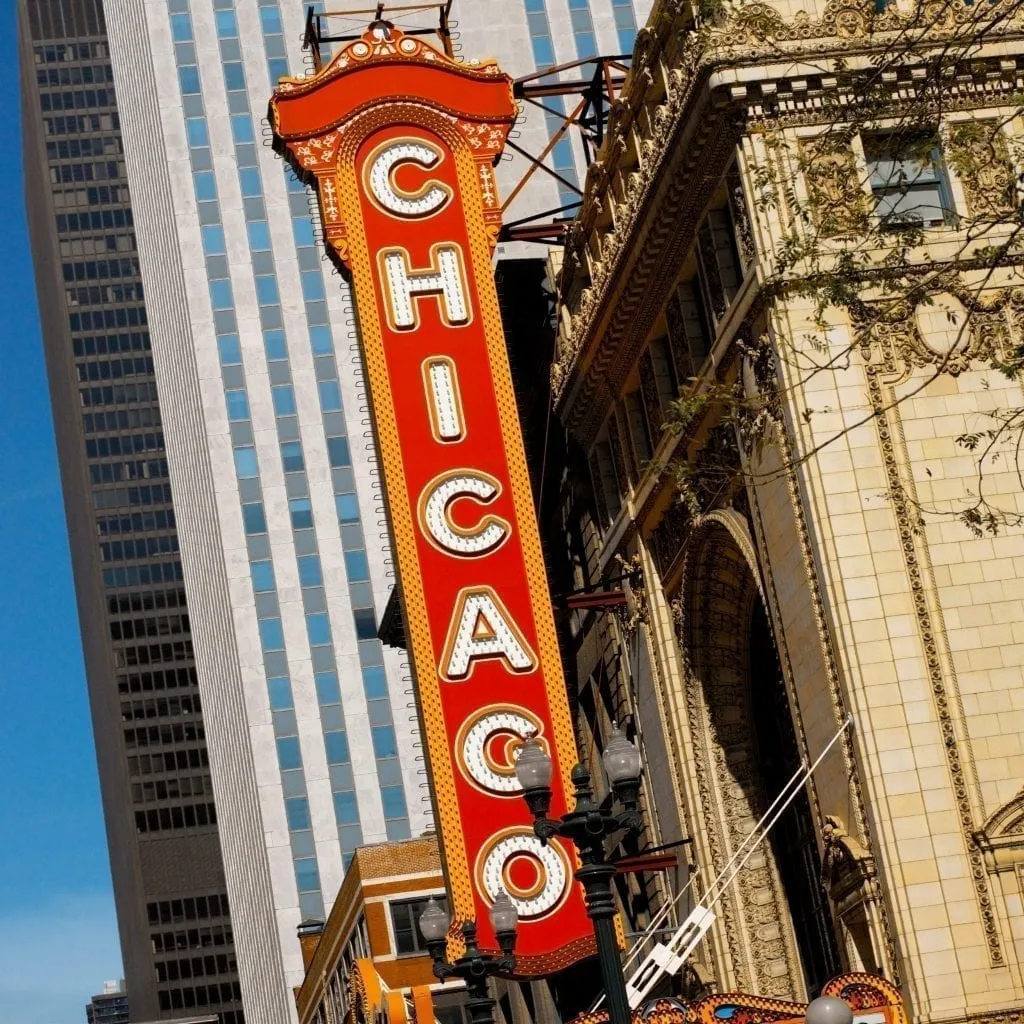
[[717, 264], [689, 331], [664, 371], [639, 428], [606, 479], [908, 181], [405, 920]]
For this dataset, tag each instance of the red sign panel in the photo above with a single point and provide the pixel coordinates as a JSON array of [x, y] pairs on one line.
[[401, 142]]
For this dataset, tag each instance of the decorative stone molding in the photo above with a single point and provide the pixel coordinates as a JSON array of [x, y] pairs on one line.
[[847, 868], [1001, 840], [951, 328], [979, 153], [837, 200], [892, 347], [719, 588], [667, 134], [637, 611], [740, 217], [668, 539], [1012, 1017]]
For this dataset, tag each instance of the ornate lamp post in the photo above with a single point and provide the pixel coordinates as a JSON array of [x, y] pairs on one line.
[[588, 828], [829, 1010], [473, 967]]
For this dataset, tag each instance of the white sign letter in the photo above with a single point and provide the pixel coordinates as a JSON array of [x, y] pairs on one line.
[[544, 864], [481, 627], [443, 399], [444, 277], [488, 745], [435, 513], [430, 198]]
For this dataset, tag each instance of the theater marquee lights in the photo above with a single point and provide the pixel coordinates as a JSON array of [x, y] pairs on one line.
[[401, 142]]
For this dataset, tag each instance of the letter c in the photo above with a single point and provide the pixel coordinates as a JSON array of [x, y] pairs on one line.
[[431, 198], [435, 507]]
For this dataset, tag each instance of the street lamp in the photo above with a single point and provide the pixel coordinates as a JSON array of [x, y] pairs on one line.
[[473, 967], [829, 1010], [587, 826]]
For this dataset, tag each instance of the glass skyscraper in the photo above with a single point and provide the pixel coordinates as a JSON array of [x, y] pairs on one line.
[[172, 899], [313, 743]]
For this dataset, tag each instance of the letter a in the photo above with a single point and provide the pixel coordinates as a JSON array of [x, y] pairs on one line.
[[481, 627]]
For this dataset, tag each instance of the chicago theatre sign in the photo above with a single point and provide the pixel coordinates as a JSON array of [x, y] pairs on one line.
[[401, 142]]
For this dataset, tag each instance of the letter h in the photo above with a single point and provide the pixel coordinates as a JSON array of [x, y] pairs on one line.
[[445, 277]]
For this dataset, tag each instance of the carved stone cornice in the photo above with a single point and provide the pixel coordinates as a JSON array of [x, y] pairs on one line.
[[673, 129]]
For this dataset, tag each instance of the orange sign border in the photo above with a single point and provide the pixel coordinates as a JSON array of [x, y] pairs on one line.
[[403, 526], [329, 153]]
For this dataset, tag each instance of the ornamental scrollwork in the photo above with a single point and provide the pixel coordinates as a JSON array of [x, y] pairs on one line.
[[667, 539], [847, 867], [761, 408], [979, 153], [637, 610], [837, 201], [951, 329]]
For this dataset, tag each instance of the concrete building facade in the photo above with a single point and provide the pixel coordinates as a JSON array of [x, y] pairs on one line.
[[172, 903], [313, 743], [110, 1006], [789, 325]]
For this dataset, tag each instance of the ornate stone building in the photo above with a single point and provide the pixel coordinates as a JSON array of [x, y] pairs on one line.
[[788, 363]]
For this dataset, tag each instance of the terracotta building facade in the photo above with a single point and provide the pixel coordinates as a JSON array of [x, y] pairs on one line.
[[789, 329]]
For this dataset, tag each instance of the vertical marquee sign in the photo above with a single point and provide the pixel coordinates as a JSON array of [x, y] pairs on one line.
[[401, 142]]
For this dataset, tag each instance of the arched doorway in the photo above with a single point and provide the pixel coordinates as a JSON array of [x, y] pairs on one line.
[[777, 928], [793, 839]]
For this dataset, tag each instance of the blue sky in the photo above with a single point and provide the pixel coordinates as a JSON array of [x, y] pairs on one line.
[[58, 937]]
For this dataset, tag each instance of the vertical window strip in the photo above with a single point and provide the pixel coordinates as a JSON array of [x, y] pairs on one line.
[[339, 455], [318, 630], [625, 24], [540, 33], [246, 466], [582, 28], [273, 40], [354, 548], [562, 160]]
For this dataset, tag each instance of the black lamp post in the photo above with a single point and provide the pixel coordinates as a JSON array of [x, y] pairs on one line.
[[473, 967], [588, 827]]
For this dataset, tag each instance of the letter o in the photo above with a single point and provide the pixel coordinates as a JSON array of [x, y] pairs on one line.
[[504, 858]]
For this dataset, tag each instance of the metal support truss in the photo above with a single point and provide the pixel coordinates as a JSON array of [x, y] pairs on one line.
[[586, 90], [591, 86], [318, 24]]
